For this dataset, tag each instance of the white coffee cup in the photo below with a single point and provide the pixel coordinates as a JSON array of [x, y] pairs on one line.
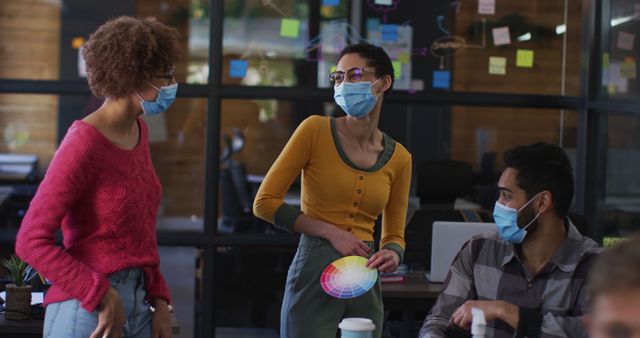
[[356, 328]]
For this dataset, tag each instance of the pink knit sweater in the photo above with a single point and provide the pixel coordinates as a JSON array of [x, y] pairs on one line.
[[105, 199]]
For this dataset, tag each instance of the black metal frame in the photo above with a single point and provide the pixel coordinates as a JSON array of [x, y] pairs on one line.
[[591, 106]]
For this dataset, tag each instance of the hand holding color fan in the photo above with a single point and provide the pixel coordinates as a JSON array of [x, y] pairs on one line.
[[348, 277]]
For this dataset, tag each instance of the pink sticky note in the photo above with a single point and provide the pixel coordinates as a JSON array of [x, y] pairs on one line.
[[486, 6], [625, 40], [501, 36], [637, 11]]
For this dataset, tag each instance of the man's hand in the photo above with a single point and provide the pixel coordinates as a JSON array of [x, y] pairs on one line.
[[493, 310]]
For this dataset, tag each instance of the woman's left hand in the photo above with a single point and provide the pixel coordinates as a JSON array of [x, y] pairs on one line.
[[384, 260], [161, 321]]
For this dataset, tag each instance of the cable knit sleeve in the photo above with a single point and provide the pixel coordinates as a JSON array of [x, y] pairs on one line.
[[65, 182], [156, 286]]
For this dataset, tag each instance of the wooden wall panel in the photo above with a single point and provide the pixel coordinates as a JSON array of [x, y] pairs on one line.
[[29, 49]]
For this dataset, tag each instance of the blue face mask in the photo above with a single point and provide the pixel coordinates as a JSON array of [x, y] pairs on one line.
[[355, 98], [507, 222], [166, 96]]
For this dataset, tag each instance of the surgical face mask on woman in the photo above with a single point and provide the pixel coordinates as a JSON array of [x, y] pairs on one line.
[[166, 97], [356, 98], [506, 219]]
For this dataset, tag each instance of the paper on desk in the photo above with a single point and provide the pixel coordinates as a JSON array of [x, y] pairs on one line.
[[36, 297]]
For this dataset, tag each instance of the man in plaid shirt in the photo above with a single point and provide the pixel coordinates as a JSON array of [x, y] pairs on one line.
[[528, 276]]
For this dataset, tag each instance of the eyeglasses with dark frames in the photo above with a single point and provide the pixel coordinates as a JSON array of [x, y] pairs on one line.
[[354, 74]]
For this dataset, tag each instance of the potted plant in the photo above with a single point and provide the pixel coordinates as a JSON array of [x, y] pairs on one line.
[[18, 303]]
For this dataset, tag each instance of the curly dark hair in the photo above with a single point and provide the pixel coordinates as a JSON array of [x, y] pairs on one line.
[[542, 166], [124, 53], [376, 57]]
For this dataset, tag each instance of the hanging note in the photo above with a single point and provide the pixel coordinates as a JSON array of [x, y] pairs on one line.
[[389, 32], [625, 40], [524, 58], [441, 79], [628, 70], [486, 6], [290, 28], [330, 2], [497, 65], [501, 36], [238, 68]]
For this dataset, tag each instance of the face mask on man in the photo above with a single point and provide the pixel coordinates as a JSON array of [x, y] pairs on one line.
[[506, 219], [166, 97], [356, 98]]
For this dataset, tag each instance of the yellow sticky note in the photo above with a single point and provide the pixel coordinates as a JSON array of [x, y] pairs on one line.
[[290, 28], [333, 69], [397, 69], [605, 60], [497, 65], [403, 57], [628, 70], [524, 58], [77, 42]]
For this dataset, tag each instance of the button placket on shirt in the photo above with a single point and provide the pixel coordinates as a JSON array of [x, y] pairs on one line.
[[355, 201]]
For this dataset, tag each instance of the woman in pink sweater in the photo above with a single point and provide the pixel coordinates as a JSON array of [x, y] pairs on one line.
[[101, 189]]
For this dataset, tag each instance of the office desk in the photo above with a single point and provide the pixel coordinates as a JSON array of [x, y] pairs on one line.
[[416, 294], [32, 328]]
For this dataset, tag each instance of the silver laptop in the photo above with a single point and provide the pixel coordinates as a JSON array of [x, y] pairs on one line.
[[448, 238]]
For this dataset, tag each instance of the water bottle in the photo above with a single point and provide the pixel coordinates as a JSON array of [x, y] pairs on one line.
[[478, 323]]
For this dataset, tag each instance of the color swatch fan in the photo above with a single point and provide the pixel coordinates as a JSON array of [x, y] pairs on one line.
[[348, 277]]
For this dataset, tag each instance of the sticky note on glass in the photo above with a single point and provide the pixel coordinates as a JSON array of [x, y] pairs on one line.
[[77, 42], [486, 6], [524, 58], [625, 40], [441, 79], [373, 24], [403, 57], [397, 69], [637, 12], [238, 68], [389, 32], [497, 65], [290, 28], [628, 70], [330, 2], [605, 60], [417, 84], [383, 2], [501, 36]]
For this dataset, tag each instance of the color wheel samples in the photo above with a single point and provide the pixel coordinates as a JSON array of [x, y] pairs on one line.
[[348, 277]]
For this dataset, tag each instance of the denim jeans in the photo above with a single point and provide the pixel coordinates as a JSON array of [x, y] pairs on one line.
[[68, 320]]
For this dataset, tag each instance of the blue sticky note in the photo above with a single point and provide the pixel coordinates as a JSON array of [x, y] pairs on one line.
[[238, 68], [330, 2], [373, 24], [389, 32], [441, 79]]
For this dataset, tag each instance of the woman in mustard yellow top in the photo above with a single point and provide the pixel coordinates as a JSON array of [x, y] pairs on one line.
[[351, 173]]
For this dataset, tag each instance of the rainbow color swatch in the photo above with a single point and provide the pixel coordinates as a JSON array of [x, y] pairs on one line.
[[348, 277]]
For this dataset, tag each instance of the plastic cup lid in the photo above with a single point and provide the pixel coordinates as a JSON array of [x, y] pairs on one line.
[[357, 324]]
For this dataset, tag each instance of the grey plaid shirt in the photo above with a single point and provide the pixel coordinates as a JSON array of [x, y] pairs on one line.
[[551, 303]]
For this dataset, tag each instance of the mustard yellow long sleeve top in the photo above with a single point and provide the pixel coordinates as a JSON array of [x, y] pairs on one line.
[[334, 189]]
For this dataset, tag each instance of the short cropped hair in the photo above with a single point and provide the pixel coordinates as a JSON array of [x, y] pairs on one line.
[[543, 166], [124, 53], [617, 269], [376, 58]]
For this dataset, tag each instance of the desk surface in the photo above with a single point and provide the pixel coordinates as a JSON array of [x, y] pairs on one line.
[[416, 286], [34, 326]]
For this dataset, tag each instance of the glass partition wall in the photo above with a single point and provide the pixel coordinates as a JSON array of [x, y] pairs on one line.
[[472, 81]]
